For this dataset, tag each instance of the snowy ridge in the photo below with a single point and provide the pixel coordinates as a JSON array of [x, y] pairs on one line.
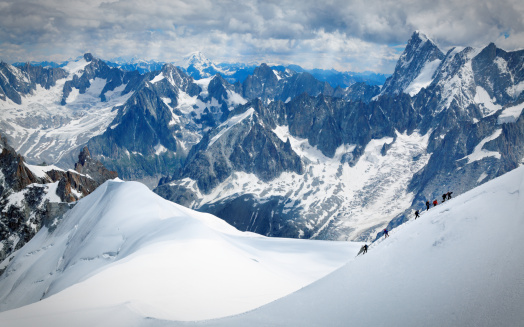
[[226, 126], [178, 264], [456, 84]]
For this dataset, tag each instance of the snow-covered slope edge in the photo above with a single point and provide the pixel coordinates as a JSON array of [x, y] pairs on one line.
[[460, 264], [125, 250]]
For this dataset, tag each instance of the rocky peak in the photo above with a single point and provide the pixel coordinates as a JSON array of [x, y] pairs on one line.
[[88, 57], [419, 51], [84, 156], [263, 83], [93, 168]]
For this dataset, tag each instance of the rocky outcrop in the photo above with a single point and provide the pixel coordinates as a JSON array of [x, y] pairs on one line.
[[29, 201], [16, 176], [92, 169]]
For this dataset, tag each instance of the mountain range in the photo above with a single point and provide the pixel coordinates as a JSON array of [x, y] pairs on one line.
[[280, 152]]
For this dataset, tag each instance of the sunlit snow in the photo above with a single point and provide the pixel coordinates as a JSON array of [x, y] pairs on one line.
[[42, 129], [125, 247], [479, 153], [511, 114], [489, 106], [424, 79]]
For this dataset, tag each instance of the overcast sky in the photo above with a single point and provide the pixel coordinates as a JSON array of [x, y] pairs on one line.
[[345, 35]]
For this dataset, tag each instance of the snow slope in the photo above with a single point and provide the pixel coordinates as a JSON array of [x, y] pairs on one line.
[[460, 264], [124, 253]]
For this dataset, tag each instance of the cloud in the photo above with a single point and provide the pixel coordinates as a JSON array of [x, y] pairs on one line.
[[348, 35]]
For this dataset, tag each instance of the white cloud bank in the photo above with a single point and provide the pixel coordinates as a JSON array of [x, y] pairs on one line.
[[359, 35]]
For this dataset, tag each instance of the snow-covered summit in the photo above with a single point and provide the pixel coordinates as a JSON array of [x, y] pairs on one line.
[[197, 59]]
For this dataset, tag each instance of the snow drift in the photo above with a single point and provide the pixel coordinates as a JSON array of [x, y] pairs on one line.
[[124, 249]]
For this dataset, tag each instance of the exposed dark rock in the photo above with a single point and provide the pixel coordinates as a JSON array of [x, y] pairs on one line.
[[21, 220]]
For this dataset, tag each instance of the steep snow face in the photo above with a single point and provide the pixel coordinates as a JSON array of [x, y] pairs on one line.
[[488, 104], [511, 114], [424, 79], [479, 153], [41, 129], [415, 67], [123, 247], [226, 126]]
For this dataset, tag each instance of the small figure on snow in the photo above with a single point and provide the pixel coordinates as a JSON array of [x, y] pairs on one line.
[[417, 214], [363, 249], [444, 197], [435, 202], [427, 205], [386, 233], [449, 195]]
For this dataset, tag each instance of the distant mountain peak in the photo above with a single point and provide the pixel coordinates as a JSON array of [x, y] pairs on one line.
[[196, 58], [420, 51], [421, 35], [418, 40]]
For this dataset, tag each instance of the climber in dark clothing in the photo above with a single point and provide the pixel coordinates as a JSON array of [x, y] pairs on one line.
[[416, 214], [386, 233], [444, 197], [449, 195], [363, 249], [427, 205]]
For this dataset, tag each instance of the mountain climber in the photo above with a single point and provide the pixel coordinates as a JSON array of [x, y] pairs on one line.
[[444, 197], [435, 202], [386, 233], [363, 249], [427, 205], [417, 214], [449, 195]]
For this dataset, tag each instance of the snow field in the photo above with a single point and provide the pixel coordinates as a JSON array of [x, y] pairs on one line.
[[125, 248]]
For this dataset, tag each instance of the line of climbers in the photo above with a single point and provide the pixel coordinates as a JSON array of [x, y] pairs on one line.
[[364, 248]]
